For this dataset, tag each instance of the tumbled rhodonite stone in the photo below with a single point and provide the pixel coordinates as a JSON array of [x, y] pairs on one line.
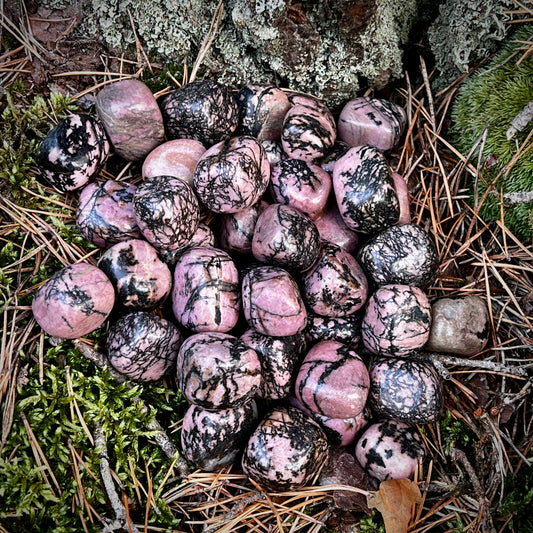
[[343, 329], [203, 236], [206, 290], [211, 440], [333, 381], [74, 301], [332, 228], [73, 152], [404, 389], [337, 151], [217, 370], [285, 451], [142, 346], [142, 281], [203, 110], [105, 213], [372, 121]]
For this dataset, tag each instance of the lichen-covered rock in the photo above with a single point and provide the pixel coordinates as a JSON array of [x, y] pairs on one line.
[[342, 329], [332, 228], [285, 451], [105, 213], [459, 325], [73, 152], [217, 371], [142, 346], [213, 439], [74, 301]]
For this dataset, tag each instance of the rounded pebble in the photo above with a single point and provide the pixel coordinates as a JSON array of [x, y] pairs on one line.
[[332, 228]]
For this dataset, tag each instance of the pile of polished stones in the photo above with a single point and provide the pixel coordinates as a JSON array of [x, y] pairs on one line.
[[296, 319]]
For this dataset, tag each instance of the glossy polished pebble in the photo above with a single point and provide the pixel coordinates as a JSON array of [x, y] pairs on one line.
[[272, 303], [203, 236], [74, 301], [73, 152], [342, 329], [232, 175], [141, 280], [142, 346], [105, 213], [203, 110], [333, 381], [131, 117], [177, 158], [217, 371], [372, 121], [397, 321], [390, 449], [339, 149], [403, 198], [285, 451], [205, 296], [365, 192], [301, 185], [332, 228], [262, 110], [274, 151]]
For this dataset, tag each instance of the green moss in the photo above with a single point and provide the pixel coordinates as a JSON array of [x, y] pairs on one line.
[[518, 500], [490, 100]]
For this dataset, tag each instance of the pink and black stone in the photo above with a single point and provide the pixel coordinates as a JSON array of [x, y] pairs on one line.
[[285, 237], [406, 390], [400, 254], [279, 357], [74, 301], [73, 152], [333, 381], [397, 321], [332, 228], [342, 329], [105, 214], [335, 286], [203, 236], [167, 212], [301, 185], [211, 440], [205, 296], [339, 149], [390, 449], [272, 303], [285, 451], [217, 371], [141, 280], [365, 191], [202, 110], [142, 346]]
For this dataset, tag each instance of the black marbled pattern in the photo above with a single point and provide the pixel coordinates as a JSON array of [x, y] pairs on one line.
[[285, 451], [73, 152], [337, 151], [203, 236], [342, 329], [203, 110]]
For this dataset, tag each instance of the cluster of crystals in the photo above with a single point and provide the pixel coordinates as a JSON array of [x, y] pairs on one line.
[[306, 289]]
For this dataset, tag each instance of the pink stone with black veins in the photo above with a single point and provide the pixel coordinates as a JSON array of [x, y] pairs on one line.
[[333, 381], [404, 389], [143, 346], [279, 357], [403, 254], [335, 286], [403, 198], [131, 117], [203, 236], [105, 213], [211, 440], [272, 303], [177, 158], [232, 175], [390, 449], [365, 191], [274, 151], [397, 321], [217, 371], [285, 237], [343, 329], [167, 212], [301, 185], [372, 121], [141, 280], [74, 301], [339, 149], [332, 228], [205, 296], [262, 110], [286, 450], [309, 129], [237, 229], [73, 152]]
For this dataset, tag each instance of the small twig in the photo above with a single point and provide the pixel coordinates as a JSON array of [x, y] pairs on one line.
[[513, 198], [520, 121]]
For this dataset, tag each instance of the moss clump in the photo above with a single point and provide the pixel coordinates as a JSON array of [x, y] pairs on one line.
[[490, 100]]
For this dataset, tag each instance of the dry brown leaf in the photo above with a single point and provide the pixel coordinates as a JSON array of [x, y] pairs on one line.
[[394, 501]]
